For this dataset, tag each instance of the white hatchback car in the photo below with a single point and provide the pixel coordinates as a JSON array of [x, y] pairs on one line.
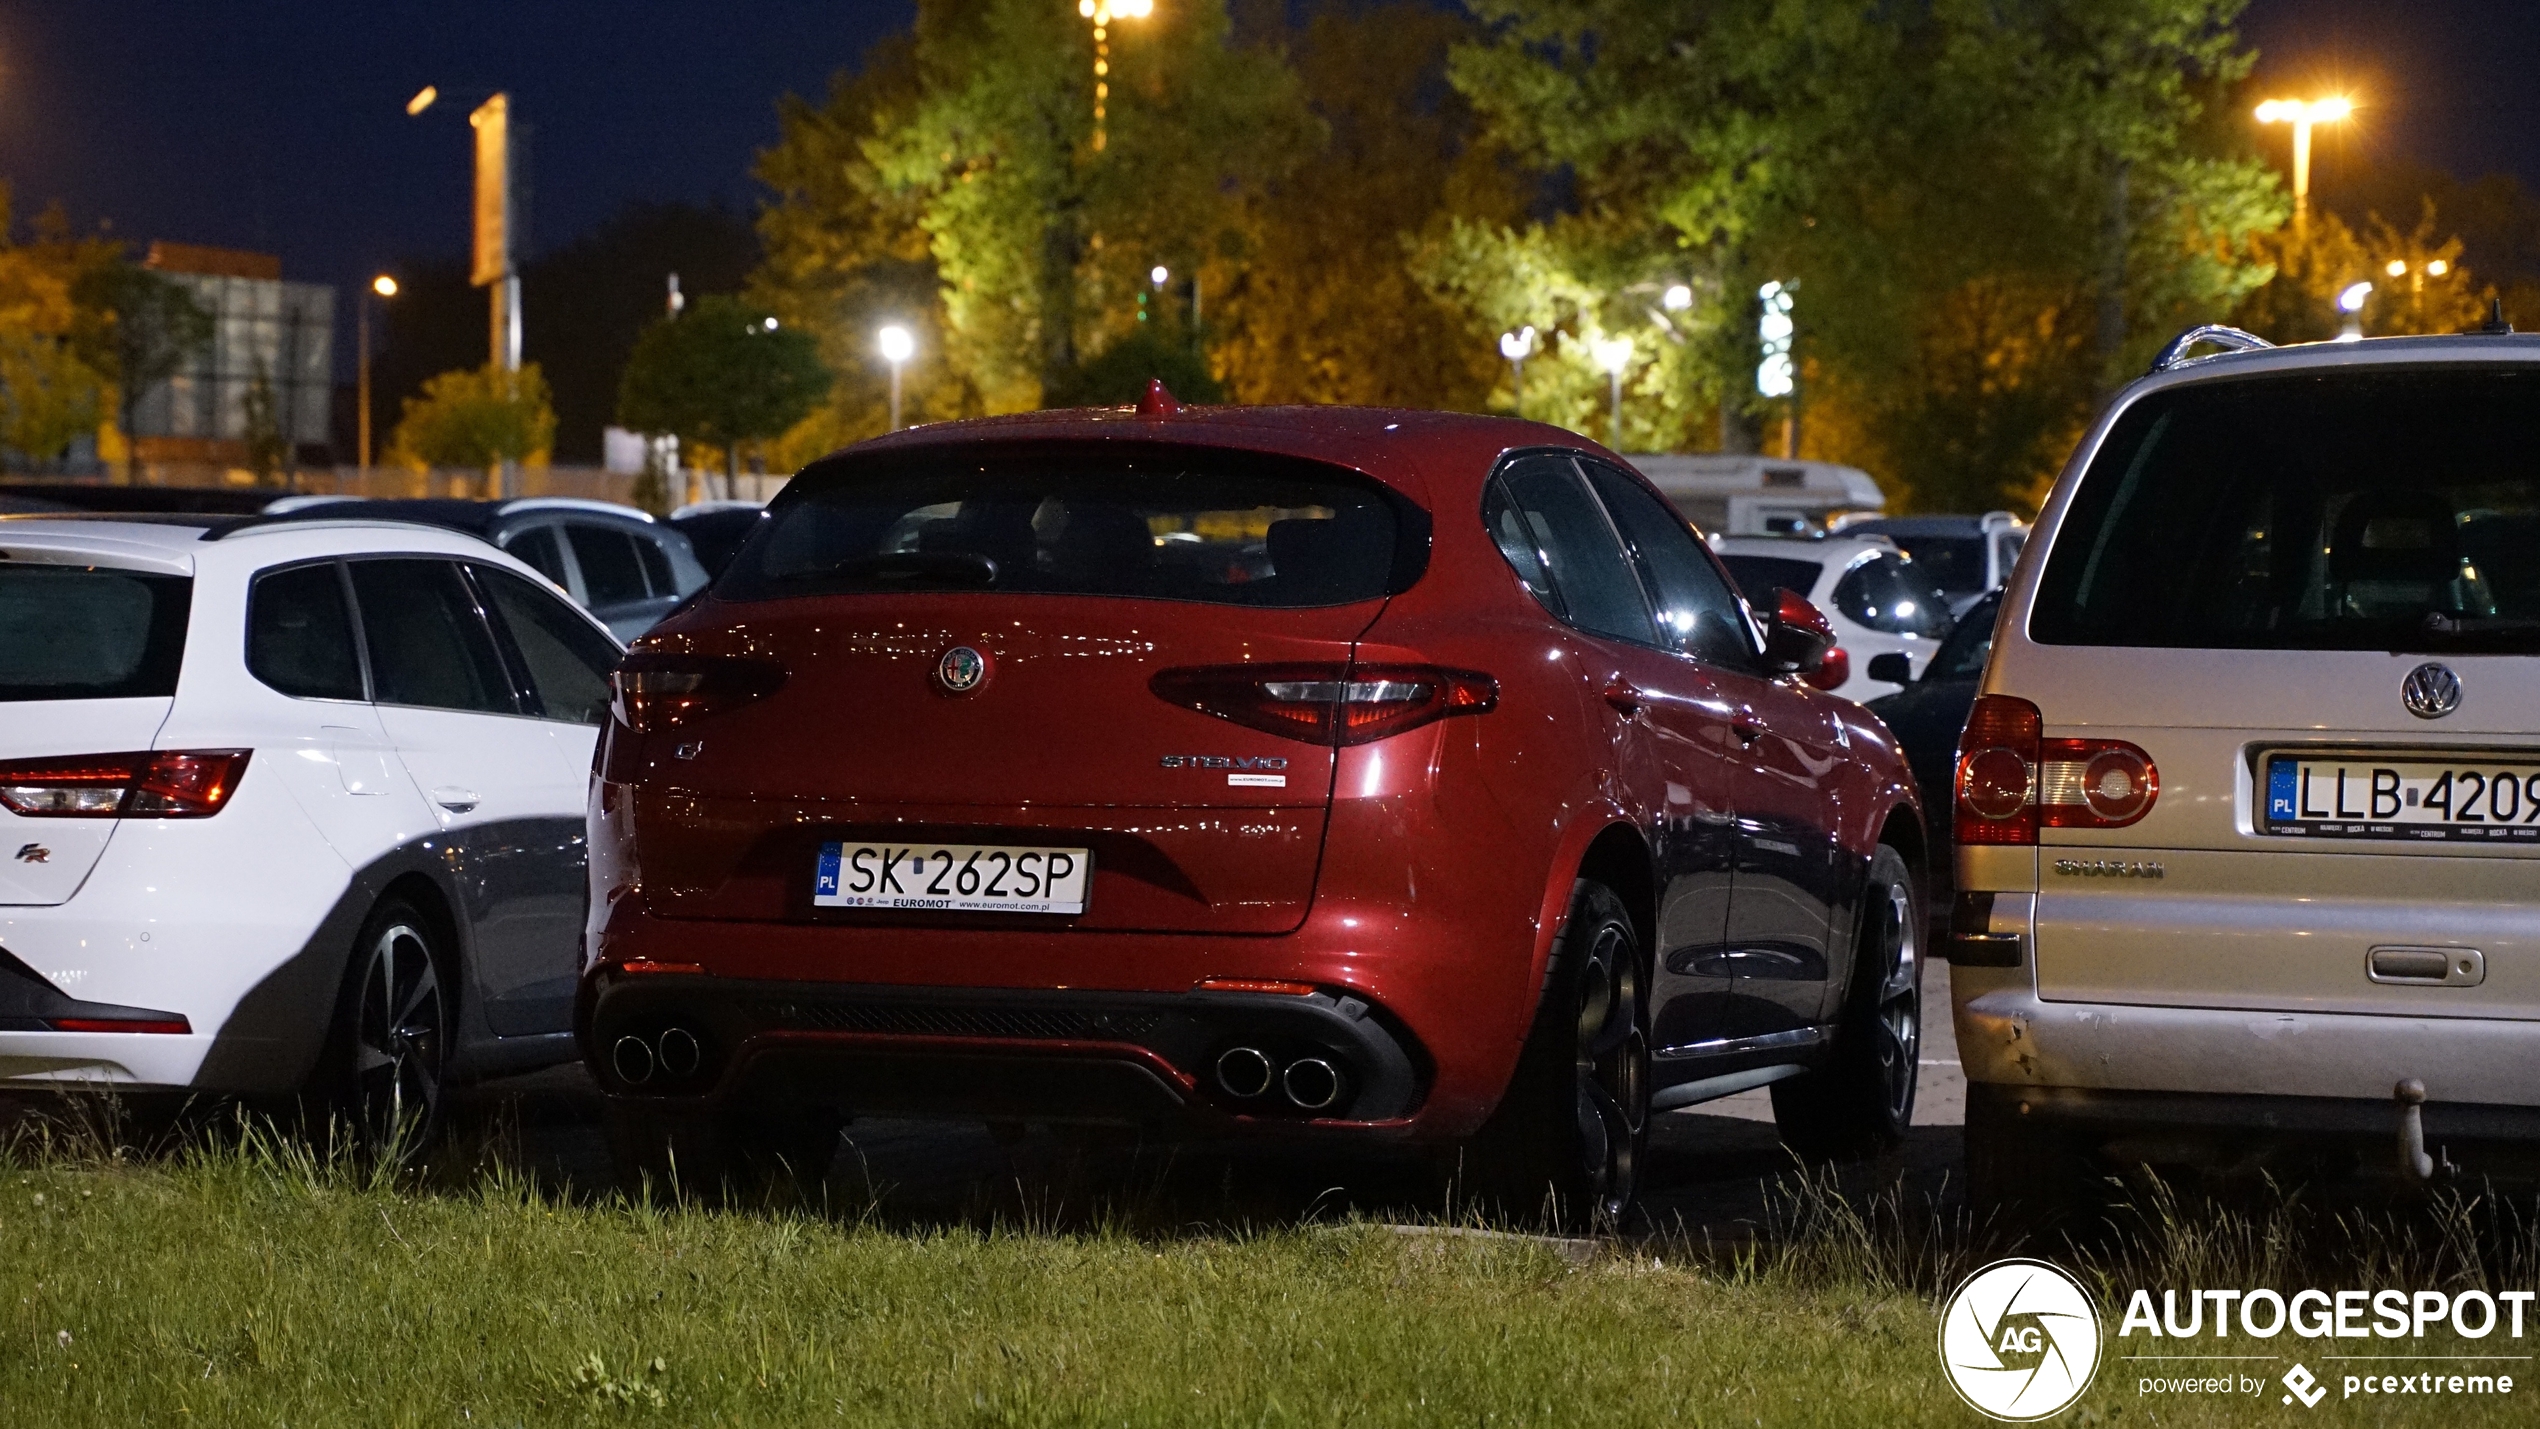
[[1879, 601], [288, 807], [2248, 807]]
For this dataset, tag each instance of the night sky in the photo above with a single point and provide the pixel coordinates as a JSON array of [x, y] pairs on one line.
[[280, 125]]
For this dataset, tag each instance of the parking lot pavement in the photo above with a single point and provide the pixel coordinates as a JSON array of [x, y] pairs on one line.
[[1711, 1170]]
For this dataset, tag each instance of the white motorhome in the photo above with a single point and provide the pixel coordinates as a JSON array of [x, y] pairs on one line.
[[1760, 495]]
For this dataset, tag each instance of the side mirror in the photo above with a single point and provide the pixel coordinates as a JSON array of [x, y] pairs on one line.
[[1893, 668], [1796, 636]]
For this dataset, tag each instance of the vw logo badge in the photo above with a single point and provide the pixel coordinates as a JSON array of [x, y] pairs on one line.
[[2430, 691], [961, 670]]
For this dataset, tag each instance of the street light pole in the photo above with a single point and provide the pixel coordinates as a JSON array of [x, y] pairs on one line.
[[897, 346], [385, 287], [1515, 346], [2302, 115], [1614, 354], [1102, 13]]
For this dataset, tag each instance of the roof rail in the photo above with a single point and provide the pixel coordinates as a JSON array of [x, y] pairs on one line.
[[254, 525], [2229, 338], [574, 503]]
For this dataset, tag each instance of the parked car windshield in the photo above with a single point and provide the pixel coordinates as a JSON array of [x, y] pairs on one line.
[[88, 633], [2341, 510], [1962, 655], [1895, 594], [1760, 576], [1217, 527]]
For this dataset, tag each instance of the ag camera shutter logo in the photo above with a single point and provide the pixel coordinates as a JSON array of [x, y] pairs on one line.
[[2019, 1341]]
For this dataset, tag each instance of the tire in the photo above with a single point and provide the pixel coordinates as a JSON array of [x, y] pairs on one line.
[[1566, 1144], [2028, 1178], [1861, 1102], [383, 1075], [695, 1150]]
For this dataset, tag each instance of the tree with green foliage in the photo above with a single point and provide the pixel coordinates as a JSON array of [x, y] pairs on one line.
[[49, 394], [136, 328], [477, 418], [1325, 306], [724, 372], [1992, 211], [1040, 241]]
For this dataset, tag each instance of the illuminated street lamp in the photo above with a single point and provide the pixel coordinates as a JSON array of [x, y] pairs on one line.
[[1517, 347], [2416, 274], [385, 287], [1102, 13], [2302, 115], [1614, 354], [2351, 303], [1677, 298], [897, 347]]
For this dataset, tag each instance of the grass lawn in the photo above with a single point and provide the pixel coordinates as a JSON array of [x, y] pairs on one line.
[[251, 1287]]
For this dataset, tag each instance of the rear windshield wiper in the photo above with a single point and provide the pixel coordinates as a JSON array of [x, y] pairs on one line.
[[956, 568]]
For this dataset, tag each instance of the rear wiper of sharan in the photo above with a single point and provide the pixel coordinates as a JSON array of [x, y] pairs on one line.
[[958, 568]]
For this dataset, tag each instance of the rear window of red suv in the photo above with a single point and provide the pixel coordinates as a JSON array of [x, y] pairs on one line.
[[1225, 528], [2354, 509]]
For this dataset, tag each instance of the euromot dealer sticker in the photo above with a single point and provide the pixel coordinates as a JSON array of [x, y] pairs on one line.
[[2020, 1341]]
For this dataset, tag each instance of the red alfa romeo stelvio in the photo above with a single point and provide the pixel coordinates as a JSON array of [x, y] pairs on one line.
[[1393, 778]]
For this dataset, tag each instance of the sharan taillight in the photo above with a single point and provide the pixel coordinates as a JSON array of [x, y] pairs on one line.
[[2012, 781]]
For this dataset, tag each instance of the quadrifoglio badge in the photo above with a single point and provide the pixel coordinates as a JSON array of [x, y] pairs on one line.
[[2021, 1341]]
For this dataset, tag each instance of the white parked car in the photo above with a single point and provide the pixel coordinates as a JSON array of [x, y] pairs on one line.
[[288, 806], [1879, 601], [2248, 806]]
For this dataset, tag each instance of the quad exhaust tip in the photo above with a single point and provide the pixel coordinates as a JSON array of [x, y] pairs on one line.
[[680, 1055], [1311, 1083], [633, 1060], [1245, 1071]]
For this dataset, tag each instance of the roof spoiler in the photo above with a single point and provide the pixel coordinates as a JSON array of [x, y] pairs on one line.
[[2230, 339]]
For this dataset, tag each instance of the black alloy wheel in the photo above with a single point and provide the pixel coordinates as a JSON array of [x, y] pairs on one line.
[[395, 1036], [1569, 1135], [1610, 1068], [1861, 1102]]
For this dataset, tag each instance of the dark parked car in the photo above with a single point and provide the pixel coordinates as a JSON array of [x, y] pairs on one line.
[[1393, 779], [621, 564], [717, 528], [1928, 715]]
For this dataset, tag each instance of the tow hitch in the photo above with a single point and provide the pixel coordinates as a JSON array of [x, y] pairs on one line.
[[2414, 1163]]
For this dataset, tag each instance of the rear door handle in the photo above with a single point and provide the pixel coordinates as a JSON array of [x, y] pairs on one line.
[[457, 801], [1747, 730], [1626, 697]]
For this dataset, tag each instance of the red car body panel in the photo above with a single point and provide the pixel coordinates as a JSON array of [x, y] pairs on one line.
[[1424, 874]]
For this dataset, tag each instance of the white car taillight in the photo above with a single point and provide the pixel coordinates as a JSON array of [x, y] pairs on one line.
[[161, 784]]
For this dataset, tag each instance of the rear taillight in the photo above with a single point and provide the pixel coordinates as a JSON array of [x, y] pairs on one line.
[[654, 692], [1328, 704], [166, 784], [2012, 781], [1836, 669]]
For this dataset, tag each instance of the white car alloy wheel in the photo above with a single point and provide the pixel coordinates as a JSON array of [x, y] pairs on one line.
[[401, 1033]]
